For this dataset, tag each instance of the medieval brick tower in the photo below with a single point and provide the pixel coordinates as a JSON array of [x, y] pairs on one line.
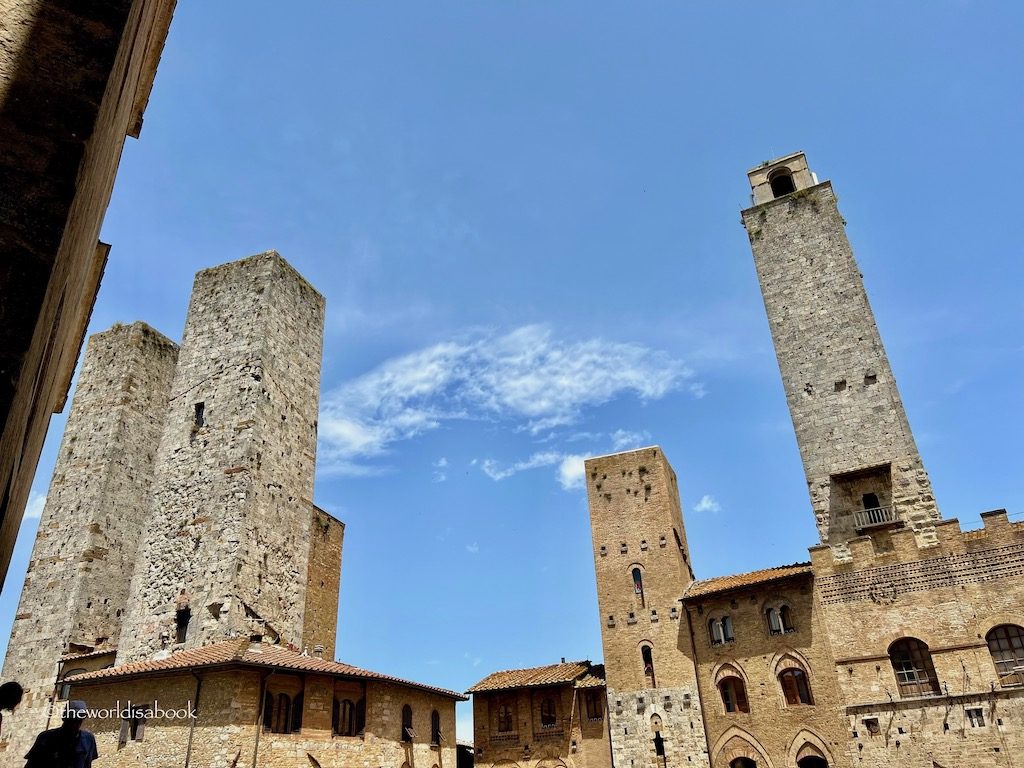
[[180, 511], [642, 565], [76, 588], [863, 470], [226, 547]]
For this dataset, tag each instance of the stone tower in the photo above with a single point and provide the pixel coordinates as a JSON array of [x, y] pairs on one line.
[[642, 564], [864, 472], [226, 550], [76, 588]]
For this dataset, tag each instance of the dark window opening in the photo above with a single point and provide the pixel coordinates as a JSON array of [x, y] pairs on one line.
[[795, 687], [548, 718], [648, 658], [812, 761], [870, 501], [912, 663], [659, 745], [976, 718], [1006, 644], [742, 762], [595, 705], [781, 182], [296, 723], [407, 732], [638, 585], [435, 727], [734, 694], [181, 620], [277, 713], [200, 415], [506, 722]]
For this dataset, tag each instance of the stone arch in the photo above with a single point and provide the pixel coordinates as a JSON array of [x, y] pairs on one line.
[[808, 744], [736, 743], [985, 624], [728, 668], [788, 658]]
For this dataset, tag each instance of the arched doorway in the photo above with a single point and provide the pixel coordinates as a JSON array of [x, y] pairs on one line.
[[812, 761], [742, 762]]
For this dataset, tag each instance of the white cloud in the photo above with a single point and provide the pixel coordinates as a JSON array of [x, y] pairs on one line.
[[36, 502], [494, 469], [473, 548], [697, 389], [707, 504], [439, 474], [526, 376], [570, 472], [623, 440]]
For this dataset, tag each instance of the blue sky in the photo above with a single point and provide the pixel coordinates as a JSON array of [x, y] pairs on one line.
[[525, 219]]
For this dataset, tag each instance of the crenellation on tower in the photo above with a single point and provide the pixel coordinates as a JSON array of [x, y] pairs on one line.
[[864, 472]]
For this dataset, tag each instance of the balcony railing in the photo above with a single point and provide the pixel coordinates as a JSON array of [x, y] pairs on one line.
[[866, 518]]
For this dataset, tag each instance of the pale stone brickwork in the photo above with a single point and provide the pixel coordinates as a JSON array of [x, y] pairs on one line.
[[850, 423], [773, 731], [228, 729], [76, 587], [636, 524], [575, 740], [229, 531], [326, 537]]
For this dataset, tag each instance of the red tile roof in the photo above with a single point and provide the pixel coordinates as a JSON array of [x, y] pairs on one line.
[[553, 674], [737, 581], [245, 653]]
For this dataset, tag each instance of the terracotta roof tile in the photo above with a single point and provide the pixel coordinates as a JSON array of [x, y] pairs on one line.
[[244, 653], [736, 581], [593, 679], [553, 674]]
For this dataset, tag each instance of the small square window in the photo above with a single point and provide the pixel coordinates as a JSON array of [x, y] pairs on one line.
[[976, 718]]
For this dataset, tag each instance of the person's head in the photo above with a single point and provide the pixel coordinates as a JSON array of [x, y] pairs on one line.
[[75, 713], [10, 695]]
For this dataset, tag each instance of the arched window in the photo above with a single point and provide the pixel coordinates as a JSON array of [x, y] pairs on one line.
[[647, 656], [506, 722], [912, 663], [786, 617], [734, 694], [548, 718], [407, 732], [742, 762], [781, 181], [812, 761], [780, 620], [774, 621], [638, 585], [1006, 644], [795, 687], [435, 727], [721, 630]]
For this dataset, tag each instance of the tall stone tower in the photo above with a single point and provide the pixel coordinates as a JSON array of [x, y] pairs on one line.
[[76, 589], [642, 564], [864, 472], [226, 550]]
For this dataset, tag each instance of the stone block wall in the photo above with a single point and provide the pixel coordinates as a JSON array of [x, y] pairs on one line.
[[636, 523], [323, 584], [76, 587], [74, 80], [229, 533], [772, 730], [842, 396]]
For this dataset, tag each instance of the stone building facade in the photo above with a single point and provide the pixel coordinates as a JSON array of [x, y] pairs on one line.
[[180, 544], [75, 80], [901, 642], [543, 717]]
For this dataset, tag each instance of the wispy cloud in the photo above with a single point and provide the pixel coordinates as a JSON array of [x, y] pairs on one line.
[[473, 548], [527, 377], [707, 503], [36, 502], [622, 440], [439, 466]]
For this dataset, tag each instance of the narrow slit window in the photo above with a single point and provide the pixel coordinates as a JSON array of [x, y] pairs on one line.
[[200, 415], [181, 621]]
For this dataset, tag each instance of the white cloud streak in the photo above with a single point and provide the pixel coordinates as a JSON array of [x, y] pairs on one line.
[[707, 503], [526, 376], [36, 502]]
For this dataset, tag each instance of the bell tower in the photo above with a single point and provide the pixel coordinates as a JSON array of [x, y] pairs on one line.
[[864, 472]]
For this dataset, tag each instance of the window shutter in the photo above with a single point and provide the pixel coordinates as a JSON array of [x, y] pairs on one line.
[[122, 738]]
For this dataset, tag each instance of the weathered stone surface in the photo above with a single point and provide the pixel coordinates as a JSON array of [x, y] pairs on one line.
[[76, 588]]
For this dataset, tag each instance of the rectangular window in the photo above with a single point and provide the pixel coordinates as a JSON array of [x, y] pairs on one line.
[[976, 718], [595, 705], [200, 415], [181, 620]]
